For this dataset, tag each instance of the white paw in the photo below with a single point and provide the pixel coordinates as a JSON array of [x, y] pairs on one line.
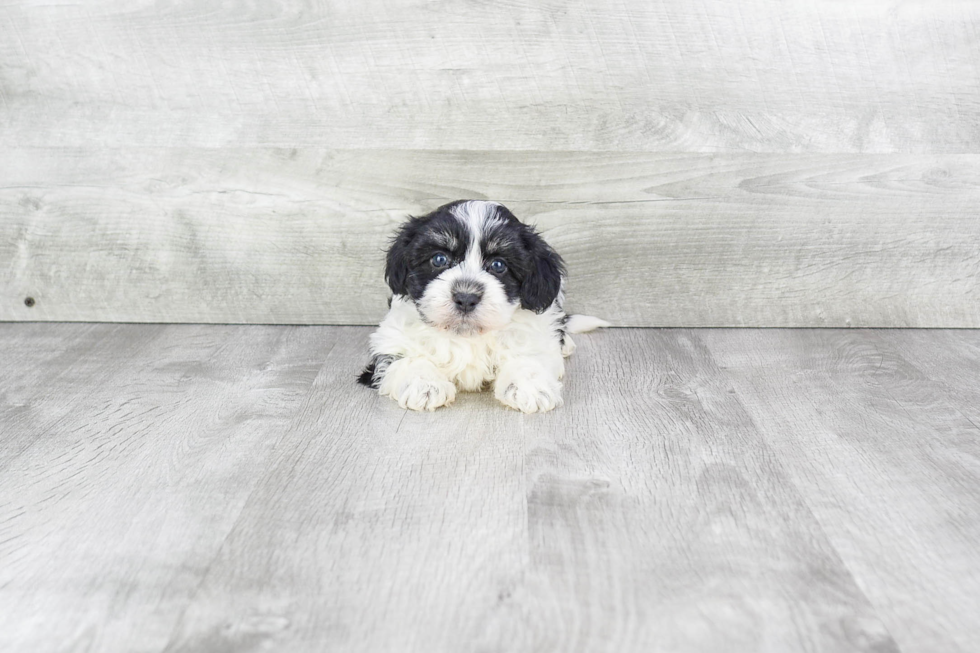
[[530, 395], [426, 394], [567, 347]]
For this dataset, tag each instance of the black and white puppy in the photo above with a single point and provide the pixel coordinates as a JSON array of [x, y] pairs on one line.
[[477, 299]]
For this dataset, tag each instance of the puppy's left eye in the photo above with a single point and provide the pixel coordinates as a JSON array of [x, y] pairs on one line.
[[497, 266]]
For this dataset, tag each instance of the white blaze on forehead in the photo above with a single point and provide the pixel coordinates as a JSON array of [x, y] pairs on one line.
[[475, 214], [478, 216]]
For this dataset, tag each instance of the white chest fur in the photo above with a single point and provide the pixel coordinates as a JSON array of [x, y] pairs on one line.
[[470, 361]]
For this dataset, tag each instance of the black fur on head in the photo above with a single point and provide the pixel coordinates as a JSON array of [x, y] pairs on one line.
[[542, 279], [397, 263], [534, 270]]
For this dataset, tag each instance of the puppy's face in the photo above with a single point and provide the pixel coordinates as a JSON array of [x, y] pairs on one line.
[[469, 265]]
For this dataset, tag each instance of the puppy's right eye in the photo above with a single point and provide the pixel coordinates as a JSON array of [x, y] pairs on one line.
[[439, 260]]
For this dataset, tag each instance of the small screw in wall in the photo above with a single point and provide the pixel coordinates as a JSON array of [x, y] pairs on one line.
[[29, 302]]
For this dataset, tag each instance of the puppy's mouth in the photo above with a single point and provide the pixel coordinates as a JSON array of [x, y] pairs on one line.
[[463, 325], [459, 324]]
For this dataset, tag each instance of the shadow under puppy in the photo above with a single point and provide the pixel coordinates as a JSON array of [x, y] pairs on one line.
[[477, 299]]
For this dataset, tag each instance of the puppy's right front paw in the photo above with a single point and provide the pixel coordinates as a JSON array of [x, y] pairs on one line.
[[426, 394]]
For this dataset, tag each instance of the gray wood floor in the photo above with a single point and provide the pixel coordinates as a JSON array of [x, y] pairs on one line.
[[214, 488]]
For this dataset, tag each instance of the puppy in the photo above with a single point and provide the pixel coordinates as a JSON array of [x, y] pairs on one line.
[[477, 299]]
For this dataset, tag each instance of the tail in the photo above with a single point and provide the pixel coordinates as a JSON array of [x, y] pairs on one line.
[[583, 323]]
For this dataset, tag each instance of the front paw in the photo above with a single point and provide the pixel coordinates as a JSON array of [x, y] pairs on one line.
[[530, 395], [426, 394]]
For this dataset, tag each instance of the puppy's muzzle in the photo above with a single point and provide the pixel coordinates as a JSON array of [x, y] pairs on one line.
[[465, 301], [466, 296]]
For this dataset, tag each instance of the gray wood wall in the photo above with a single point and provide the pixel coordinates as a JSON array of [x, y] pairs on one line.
[[698, 162]]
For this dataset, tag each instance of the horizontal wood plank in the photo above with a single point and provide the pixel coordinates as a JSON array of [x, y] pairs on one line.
[[698, 75], [652, 239]]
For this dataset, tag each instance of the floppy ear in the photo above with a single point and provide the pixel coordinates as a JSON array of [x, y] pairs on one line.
[[542, 283], [397, 263]]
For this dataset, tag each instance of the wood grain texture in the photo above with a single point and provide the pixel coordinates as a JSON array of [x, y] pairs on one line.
[[660, 520], [135, 478], [886, 458], [692, 76], [951, 359], [298, 235], [388, 530], [477, 528], [699, 163], [216, 488]]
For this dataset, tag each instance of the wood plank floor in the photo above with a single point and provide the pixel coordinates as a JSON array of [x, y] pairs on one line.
[[229, 488]]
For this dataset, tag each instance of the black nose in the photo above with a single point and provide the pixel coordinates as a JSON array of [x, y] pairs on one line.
[[465, 301]]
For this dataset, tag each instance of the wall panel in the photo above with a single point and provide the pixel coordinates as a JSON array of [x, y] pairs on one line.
[[698, 163], [298, 235]]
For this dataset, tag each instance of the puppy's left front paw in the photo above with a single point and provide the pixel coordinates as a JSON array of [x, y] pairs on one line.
[[530, 395]]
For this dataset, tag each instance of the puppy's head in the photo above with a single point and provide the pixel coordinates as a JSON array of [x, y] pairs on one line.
[[469, 265]]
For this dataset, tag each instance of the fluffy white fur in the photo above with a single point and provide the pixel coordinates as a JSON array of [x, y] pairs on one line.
[[583, 323], [523, 359]]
